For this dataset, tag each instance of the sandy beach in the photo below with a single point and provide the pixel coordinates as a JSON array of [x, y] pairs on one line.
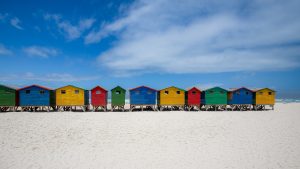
[[156, 140]]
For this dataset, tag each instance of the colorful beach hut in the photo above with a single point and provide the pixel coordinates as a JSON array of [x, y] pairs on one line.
[[171, 97], [118, 98], [143, 97], [70, 97], [214, 98], [193, 98], [8, 98], [35, 97], [240, 98], [99, 98], [264, 97]]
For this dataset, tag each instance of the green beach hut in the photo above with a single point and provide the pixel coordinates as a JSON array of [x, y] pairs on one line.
[[8, 98], [118, 98], [214, 98]]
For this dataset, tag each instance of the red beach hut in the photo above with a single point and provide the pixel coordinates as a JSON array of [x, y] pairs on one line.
[[193, 98], [99, 98]]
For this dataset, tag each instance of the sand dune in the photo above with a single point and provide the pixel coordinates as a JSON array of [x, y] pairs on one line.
[[192, 140]]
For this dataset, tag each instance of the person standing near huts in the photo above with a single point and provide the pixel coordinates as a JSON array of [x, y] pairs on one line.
[[143, 97], [8, 98], [171, 97], [214, 99], [70, 97], [240, 98], [264, 97], [36, 98], [118, 98], [99, 98], [193, 99]]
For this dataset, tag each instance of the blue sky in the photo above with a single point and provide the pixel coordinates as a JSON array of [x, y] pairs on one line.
[[158, 43]]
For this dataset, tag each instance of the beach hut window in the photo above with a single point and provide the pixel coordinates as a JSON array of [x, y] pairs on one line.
[[222, 92], [118, 92], [247, 93], [270, 93], [137, 92], [193, 92], [98, 92], [166, 92], [76, 91], [211, 92], [63, 92], [260, 93], [42, 91], [238, 93], [27, 91], [7, 92], [149, 92], [178, 92]]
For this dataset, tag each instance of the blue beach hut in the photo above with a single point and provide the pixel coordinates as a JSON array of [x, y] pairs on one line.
[[240, 98], [36, 97], [143, 97]]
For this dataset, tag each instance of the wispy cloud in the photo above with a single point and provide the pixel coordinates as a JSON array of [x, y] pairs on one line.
[[70, 31], [202, 37], [4, 51], [39, 51], [15, 22], [206, 86], [51, 77], [3, 16]]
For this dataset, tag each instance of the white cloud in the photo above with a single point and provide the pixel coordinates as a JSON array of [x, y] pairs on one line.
[[206, 86], [4, 50], [15, 22], [56, 77], [39, 51], [202, 37], [71, 31], [55, 17], [52, 77], [3, 16]]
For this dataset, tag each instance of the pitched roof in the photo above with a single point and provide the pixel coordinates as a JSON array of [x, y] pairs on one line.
[[99, 87], [235, 89], [216, 87], [194, 88], [118, 87], [34, 85], [171, 87], [10, 87], [71, 86], [142, 87], [258, 89]]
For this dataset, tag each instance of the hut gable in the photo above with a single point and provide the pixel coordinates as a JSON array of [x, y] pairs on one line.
[[118, 96], [8, 96], [143, 95], [36, 95], [215, 96], [241, 95], [264, 96], [171, 96], [194, 96], [98, 96], [71, 96]]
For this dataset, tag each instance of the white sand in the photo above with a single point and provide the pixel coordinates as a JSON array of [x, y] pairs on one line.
[[183, 140]]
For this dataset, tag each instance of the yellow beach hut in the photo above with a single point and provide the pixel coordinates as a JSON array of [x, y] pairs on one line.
[[171, 97], [263, 97], [70, 97]]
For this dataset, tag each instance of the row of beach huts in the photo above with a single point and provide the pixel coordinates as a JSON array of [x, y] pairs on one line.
[[72, 98]]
